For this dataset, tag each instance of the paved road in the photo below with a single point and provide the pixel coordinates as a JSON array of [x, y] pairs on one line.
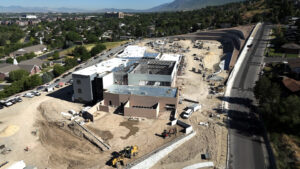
[[246, 144]]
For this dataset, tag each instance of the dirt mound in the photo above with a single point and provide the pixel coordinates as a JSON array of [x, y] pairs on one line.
[[51, 110], [66, 145], [9, 131]]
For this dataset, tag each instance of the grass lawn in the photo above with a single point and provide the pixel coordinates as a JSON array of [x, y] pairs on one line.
[[66, 51], [110, 45], [272, 53]]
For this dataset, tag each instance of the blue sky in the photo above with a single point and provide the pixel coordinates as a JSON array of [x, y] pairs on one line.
[[86, 4]]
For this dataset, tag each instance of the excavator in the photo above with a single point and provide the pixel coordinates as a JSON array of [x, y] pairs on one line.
[[127, 152]]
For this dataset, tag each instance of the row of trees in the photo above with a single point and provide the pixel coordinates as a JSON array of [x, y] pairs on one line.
[[21, 81], [83, 54], [280, 112]]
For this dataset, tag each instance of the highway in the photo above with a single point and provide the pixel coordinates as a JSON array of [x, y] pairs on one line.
[[247, 146]]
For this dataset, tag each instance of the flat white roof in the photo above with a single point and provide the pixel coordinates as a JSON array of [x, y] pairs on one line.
[[105, 66], [171, 57], [133, 52]]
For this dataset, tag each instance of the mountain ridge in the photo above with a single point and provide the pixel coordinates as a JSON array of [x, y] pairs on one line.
[[176, 5]]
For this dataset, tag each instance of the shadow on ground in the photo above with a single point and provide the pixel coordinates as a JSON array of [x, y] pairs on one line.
[[64, 93]]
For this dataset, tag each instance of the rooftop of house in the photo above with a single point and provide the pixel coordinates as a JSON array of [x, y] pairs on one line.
[[291, 46], [292, 84], [25, 65], [143, 90], [294, 63], [30, 49], [158, 67]]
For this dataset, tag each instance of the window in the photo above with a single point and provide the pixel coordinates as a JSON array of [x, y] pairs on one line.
[[78, 82], [79, 90]]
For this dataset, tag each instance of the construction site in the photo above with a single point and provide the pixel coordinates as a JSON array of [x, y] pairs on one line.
[[137, 101]]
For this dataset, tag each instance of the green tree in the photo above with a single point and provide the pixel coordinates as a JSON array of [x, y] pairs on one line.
[[56, 55], [9, 60], [46, 77], [29, 55], [91, 38], [58, 70], [73, 36], [17, 75], [70, 63], [82, 53], [32, 81], [97, 49]]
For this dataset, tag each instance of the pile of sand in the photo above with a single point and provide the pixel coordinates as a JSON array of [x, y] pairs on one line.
[[9, 131], [51, 110]]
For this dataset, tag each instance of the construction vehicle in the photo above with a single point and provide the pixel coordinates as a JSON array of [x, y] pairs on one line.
[[169, 133], [120, 157], [130, 151]]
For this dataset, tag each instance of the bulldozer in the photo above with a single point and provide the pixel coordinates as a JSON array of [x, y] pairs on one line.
[[120, 157]]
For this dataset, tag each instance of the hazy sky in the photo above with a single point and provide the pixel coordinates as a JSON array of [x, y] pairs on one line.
[[86, 4]]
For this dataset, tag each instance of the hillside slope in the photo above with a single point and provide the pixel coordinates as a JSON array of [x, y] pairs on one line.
[[177, 5]]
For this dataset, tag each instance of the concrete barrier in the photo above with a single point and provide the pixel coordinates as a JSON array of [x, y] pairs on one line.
[[232, 77], [200, 165], [151, 159]]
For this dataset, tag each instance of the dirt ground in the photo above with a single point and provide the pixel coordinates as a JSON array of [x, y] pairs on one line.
[[36, 123], [211, 139]]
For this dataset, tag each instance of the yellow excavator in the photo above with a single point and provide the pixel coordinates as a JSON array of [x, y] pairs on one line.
[[127, 152]]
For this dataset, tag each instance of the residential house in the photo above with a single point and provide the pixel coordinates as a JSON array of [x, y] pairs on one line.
[[36, 49], [291, 48], [32, 66], [291, 84]]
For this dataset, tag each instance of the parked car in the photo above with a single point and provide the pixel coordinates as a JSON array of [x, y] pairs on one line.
[[8, 103], [65, 75], [13, 101], [1, 107], [57, 80], [40, 88], [18, 99], [36, 93], [28, 95], [70, 81]]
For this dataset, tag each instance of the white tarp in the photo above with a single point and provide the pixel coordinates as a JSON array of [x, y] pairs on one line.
[[18, 165]]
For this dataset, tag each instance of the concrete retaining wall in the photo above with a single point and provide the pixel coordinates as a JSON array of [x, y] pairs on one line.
[[150, 160]]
